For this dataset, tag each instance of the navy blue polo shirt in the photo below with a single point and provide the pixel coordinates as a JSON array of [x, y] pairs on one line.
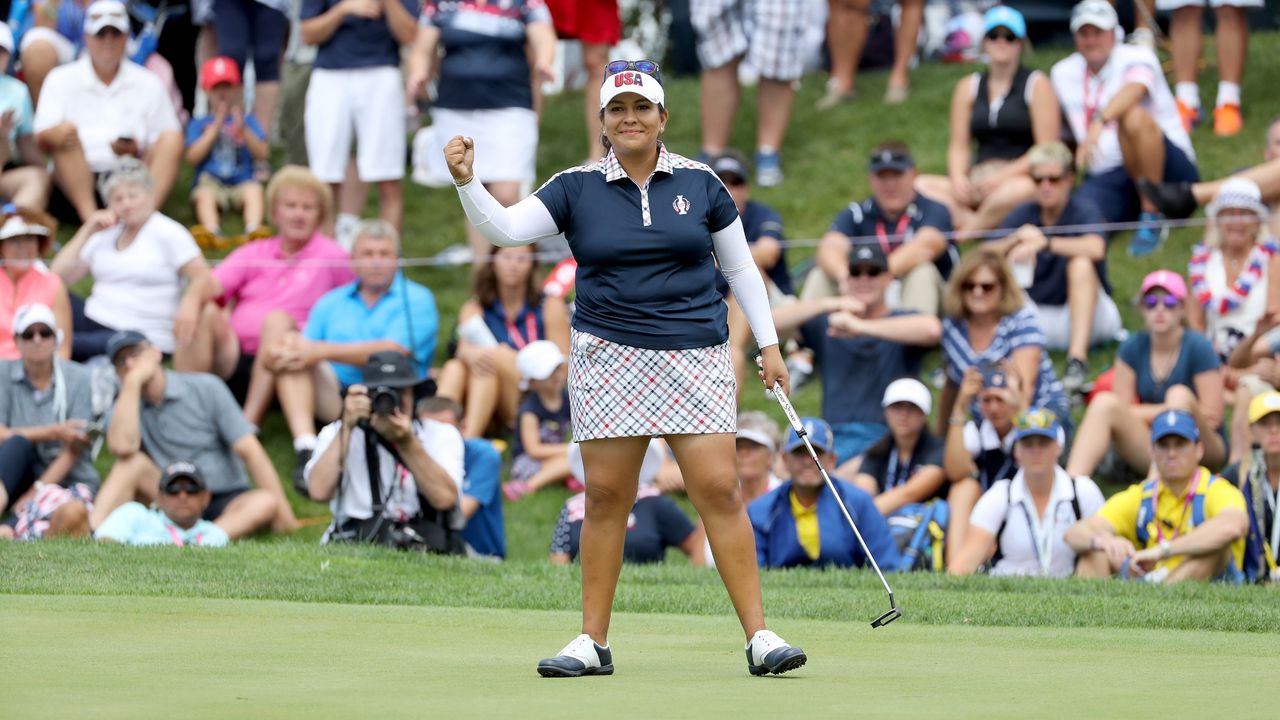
[[1050, 284], [856, 371], [485, 65], [758, 221], [866, 219], [358, 42], [646, 274]]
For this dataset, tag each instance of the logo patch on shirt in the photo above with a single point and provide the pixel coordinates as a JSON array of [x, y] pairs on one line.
[[681, 205]]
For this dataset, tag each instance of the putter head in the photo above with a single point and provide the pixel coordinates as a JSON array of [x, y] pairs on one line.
[[893, 614]]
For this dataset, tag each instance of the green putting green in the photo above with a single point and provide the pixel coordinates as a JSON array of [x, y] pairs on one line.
[[136, 657]]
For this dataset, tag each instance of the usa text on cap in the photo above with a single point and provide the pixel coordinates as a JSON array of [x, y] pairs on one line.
[[631, 81]]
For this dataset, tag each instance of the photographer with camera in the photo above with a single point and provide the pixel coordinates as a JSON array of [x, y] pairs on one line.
[[390, 480]]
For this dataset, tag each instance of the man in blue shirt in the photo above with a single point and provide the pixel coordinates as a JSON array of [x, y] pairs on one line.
[[761, 223], [176, 519], [481, 500], [799, 523], [860, 346], [912, 229], [381, 311]]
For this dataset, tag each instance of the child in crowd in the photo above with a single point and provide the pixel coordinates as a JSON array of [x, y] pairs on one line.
[[223, 147], [541, 451]]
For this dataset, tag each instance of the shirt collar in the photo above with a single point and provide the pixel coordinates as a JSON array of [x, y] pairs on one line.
[[1061, 488], [613, 171], [396, 283]]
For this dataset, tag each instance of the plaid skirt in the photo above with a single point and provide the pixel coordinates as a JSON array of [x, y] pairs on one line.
[[622, 391]]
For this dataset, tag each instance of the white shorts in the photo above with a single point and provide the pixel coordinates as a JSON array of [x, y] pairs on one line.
[[65, 49], [369, 101], [1055, 321], [1175, 4], [770, 33], [506, 144]]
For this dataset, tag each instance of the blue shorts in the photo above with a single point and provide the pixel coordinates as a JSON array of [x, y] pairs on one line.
[[1117, 197], [853, 438]]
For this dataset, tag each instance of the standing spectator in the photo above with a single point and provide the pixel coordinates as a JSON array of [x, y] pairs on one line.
[[161, 417], [486, 88], [1258, 477], [481, 498], [906, 40], [356, 85], [102, 108], [769, 34], [905, 467], [25, 238], [1163, 367], [24, 182], [138, 259], [176, 520], [911, 228], [1003, 112], [1064, 271], [1124, 119], [847, 27], [1186, 39], [257, 30], [540, 453], [223, 147], [595, 24]]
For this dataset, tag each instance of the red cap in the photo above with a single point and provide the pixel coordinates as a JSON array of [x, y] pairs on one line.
[[216, 70]]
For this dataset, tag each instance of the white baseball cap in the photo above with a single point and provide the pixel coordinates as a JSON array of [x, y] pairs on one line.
[[631, 81], [1097, 13], [35, 314], [15, 226], [908, 390], [106, 14], [537, 360]]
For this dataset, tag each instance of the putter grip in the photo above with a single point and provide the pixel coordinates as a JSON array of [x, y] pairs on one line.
[[782, 399]]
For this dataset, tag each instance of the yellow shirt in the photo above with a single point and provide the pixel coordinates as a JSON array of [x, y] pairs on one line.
[[806, 527], [1121, 512]]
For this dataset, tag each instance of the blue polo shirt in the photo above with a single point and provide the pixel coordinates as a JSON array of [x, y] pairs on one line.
[[778, 546], [485, 65], [646, 274], [866, 219], [341, 316], [856, 371], [760, 221], [483, 465], [358, 42], [1050, 284]]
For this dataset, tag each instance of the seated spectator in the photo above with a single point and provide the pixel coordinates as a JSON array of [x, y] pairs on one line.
[[1258, 477], [1029, 542], [1185, 523], [1162, 367], [987, 323], [1124, 121], [1232, 272], [799, 523], [506, 312], [25, 238], [103, 107], [906, 466], [860, 346], [45, 413], [24, 181], [911, 228], [540, 453], [177, 518], [161, 417], [418, 465], [1002, 112], [481, 498], [223, 147], [1180, 199], [656, 522], [138, 258], [55, 37], [979, 448], [381, 311], [757, 444], [1062, 271], [1255, 365]]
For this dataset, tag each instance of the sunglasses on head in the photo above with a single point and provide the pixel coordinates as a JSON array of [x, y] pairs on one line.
[[986, 287], [864, 271], [1151, 302], [32, 333], [1002, 34], [648, 67]]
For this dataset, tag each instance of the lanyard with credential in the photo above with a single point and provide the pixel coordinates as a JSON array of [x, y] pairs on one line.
[[897, 474], [530, 331], [1274, 502], [1041, 535], [177, 539], [1182, 518], [899, 232], [1090, 108]]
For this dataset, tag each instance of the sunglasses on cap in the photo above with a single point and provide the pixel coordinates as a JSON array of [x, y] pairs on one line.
[[32, 333], [1002, 34], [1152, 301], [648, 67]]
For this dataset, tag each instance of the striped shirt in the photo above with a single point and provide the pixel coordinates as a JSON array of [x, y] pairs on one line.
[[1013, 333]]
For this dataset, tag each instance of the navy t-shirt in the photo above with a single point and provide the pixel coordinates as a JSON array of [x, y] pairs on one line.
[[358, 42], [655, 524], [760, 220], [553, 425], [881, 462], [1050, 284], [484, 65], [866, 219], [855, 371], [483, 465], [646, 273], [1195, 356]]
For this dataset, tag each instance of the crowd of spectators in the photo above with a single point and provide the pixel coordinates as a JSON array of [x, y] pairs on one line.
[[173, 366]]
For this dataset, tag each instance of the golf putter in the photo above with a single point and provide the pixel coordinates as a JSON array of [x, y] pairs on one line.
[[894, 612]]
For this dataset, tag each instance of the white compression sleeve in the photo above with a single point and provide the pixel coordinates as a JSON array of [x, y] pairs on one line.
[[524, 223], [739, 268]]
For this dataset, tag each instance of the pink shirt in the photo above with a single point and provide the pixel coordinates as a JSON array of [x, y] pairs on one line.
[[37, 285], [257, 279]]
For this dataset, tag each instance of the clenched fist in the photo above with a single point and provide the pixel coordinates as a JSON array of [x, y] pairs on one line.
[[459, 154]]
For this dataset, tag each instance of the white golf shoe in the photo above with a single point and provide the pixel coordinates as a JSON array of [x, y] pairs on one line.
[[768, 653], [580, 657]]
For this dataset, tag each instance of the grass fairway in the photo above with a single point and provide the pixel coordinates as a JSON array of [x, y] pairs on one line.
[[133, 657]]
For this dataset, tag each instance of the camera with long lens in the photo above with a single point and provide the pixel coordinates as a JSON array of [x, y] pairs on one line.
[[385, 400]]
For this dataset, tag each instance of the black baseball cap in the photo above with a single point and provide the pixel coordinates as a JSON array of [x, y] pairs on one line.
[[390, 369], [868, 254], [123, 339], [180, 471], [888, 159], [730, 163]]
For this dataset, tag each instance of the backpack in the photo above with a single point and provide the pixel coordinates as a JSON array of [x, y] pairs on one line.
[[1075, 508], [920, 530]]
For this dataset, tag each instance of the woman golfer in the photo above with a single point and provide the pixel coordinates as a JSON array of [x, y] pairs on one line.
[[649, 353]]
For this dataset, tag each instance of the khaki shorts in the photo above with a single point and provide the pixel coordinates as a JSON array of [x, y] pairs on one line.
[[229, 197]]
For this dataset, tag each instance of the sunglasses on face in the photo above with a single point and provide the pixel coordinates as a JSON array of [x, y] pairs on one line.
[[648, 67], [178, 488], [860, 272], [1002, 34], [1151, 302], [33, 333], [986, 287], [1051, 179]]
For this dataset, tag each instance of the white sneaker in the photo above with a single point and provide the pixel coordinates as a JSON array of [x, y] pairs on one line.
[[580, 657], [768, 653]]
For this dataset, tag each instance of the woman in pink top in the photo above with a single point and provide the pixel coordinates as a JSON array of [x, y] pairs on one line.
[[25, 237], [265, 289]]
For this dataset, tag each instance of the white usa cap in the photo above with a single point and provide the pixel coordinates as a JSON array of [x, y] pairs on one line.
[[631, 81]]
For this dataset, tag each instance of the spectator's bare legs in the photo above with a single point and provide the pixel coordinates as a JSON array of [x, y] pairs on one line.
[[254, 205], [846, 37], [1142, 144], [305, 395], [205, 200], [391, 202], [1082, 300], [996, 206], [1095, 564], [262, 381], [71, 172], [1232, 44], [27, 187], [905, 40], [720, 97], [1241, 442], [507, 193], [1186, 43], [712, 484], [38, 60], [594, 58], [1202, 567], [163, 160], [71, 519], [550, 472], [266, 98], [248, 513], [774, 98], [131, 478], [491, 395], [1266, 175], [452, 382], [214, 348], [1109, 420], [613, 472], [960, 501]]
